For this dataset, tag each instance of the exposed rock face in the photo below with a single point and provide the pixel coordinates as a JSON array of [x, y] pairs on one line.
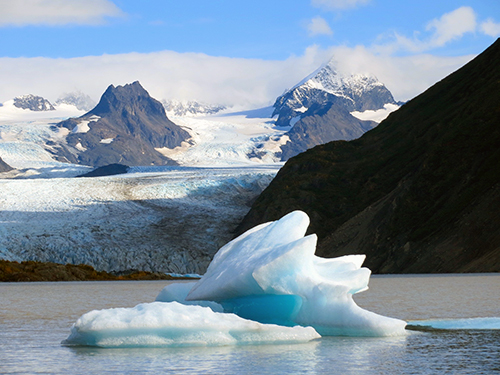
[[4, 167], [125, 127], [319, 108], [323, 123], [33, 103], [419, 193], [356, 92]]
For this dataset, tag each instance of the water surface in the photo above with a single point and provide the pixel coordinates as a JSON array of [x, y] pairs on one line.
[[36, 317]]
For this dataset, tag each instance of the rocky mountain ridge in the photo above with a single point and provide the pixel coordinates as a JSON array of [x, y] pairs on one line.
[[33, 103]]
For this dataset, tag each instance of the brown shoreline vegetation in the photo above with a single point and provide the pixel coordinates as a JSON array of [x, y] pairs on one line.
[[48, 271]]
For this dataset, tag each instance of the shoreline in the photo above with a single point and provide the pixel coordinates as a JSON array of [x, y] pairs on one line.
[[12, 271]]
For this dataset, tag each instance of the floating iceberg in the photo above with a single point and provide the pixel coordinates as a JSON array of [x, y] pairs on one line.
[[266, 286], [162, 324], [270, 274]]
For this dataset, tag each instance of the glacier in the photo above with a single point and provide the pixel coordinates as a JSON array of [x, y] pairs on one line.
[[266, 286]]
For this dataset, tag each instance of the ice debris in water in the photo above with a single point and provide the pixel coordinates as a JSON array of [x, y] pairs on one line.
[[490, 323], [266, 286]]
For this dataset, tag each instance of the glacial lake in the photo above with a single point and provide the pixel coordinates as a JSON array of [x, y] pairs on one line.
[[36, 317]]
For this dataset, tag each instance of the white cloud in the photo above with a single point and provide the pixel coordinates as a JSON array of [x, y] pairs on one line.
[[448, 27], [452, 25], [491, 28], [243, 83], [56, 12], [318, 26], [248, 83], [338, 4]]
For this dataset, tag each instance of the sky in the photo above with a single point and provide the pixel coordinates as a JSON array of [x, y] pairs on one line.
[[234, 52]]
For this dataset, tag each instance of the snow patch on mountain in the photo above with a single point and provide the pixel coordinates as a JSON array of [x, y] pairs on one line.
[[378, 115]]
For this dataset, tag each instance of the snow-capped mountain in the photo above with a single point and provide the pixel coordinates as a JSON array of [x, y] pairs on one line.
[[78, 99], [190, 108], [328, 106], [33, 103], [356, 92]]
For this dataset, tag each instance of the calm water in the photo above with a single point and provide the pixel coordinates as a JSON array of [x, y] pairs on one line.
[[36, 317]]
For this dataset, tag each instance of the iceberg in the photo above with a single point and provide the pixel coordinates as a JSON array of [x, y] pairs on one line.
[[160, 324], [266, 286], [270, 274]]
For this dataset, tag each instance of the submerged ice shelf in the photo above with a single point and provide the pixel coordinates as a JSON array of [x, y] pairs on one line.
[[266, 286]]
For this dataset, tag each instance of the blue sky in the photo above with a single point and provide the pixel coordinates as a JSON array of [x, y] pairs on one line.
[[286, 39]]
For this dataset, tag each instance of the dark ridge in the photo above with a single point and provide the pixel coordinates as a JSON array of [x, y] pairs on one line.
[[107, 170], [4, 167]]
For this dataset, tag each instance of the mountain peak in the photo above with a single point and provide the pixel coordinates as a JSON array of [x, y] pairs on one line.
[[131, 98], [355, 92], [127, 126]]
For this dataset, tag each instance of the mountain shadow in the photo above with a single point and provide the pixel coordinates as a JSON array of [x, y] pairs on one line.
[[420, 193]]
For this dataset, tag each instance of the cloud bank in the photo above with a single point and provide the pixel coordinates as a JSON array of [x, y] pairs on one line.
[[243, 83], [56, 12]]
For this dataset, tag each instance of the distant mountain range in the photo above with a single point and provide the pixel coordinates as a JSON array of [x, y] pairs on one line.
[[126, 127], [419, 193], [33, 103], [319, 108], [191, 108], [78, 99]]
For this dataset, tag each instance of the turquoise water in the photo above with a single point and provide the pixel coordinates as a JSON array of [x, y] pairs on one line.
[[36, 317]]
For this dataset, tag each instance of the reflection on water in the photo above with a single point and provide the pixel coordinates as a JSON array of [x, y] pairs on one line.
[[36, 317]]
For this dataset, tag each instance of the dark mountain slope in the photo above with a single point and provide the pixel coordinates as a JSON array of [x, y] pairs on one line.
[[4, 167], [322, 124], [419, 193], [125, 127]]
